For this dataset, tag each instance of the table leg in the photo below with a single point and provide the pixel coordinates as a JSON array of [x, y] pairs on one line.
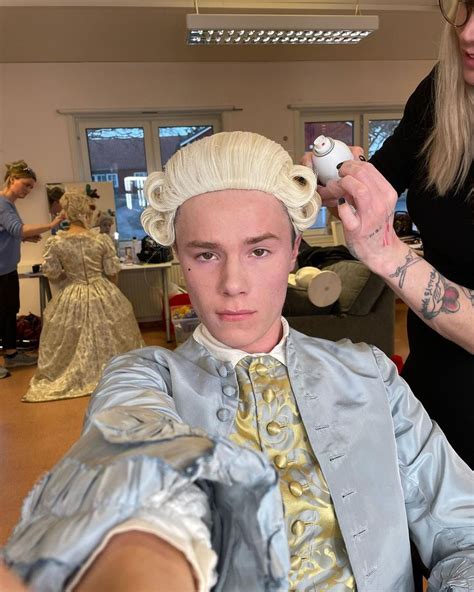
[[166, 302]]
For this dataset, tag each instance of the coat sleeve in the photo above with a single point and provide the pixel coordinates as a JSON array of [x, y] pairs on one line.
[[134, 461], [438, 488]]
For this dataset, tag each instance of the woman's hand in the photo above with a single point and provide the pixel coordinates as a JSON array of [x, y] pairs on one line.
[[366, 212], [57, 220], [332, 192]]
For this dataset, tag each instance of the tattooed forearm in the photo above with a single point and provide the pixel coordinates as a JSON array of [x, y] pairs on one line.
[[440, 296], [469, 294], [401, 271]]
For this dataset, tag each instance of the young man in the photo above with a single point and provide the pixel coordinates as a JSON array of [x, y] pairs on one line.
[[253, 457]]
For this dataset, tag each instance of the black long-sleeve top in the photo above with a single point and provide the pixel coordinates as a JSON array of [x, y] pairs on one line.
[[440, 372]]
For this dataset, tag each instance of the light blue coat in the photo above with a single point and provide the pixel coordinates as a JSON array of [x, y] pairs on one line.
[[391, 473]]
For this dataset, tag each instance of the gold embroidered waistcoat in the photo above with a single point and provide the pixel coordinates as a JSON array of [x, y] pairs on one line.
[[268, 420]]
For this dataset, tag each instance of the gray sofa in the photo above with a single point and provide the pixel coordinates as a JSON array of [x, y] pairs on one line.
[[365, 310]]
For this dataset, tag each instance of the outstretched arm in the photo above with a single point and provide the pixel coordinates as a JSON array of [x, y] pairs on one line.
[[32, 230], [138, 561], [9, 581], [443, 305]]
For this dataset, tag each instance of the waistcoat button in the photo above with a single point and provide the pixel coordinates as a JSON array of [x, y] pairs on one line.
[[298, 527], [280, 461], [296, 489], [223, 414], [295, 562], [273, 428], [268, 395]]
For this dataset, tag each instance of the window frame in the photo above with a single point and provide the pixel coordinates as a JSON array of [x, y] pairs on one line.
[[150, 122]]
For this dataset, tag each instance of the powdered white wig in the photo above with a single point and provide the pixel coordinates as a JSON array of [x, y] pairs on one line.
[[77, 208], [229, 160]]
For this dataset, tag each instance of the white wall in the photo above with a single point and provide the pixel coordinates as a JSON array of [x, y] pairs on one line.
[[31, 94]]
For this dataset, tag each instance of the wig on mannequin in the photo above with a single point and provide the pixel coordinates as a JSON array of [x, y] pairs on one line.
[[229, 160], [77, 208]]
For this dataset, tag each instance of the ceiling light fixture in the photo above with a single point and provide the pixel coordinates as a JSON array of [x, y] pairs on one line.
[[278, 29]]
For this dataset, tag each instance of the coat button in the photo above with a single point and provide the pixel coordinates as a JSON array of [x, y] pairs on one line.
[[268, 395], [296, 489], [229, 391], [223, 414], [295, 562], [222, 371], [261, 370], [298, 527], [273, 428], [280, 461]]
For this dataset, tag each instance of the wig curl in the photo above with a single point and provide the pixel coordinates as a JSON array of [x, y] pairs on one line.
[[229, 160]]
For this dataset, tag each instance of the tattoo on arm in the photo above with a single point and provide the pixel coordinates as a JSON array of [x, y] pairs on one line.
[[400, 272], [440, 296], [469, 294]]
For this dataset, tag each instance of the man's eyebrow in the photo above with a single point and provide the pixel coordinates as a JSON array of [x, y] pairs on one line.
[[263, 237], [196, 244], [202, 245]]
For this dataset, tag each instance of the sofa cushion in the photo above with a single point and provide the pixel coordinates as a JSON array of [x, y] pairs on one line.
[[360, 287], [298, 304]]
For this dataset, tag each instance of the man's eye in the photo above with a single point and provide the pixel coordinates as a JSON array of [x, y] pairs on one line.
[[206, 256], [260, 252]]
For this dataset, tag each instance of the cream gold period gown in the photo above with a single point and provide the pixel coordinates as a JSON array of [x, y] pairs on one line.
[[86, 323]]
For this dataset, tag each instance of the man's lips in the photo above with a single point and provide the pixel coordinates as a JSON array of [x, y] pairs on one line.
[[235, 315]]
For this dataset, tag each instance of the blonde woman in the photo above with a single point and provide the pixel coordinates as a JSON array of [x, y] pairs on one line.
[[89, 320], [430, 154], [19, 179]]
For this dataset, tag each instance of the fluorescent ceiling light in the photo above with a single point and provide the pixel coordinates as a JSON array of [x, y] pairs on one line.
[[278, 29]]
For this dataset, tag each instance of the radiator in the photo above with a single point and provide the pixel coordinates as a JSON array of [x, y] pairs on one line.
[[144, 290]]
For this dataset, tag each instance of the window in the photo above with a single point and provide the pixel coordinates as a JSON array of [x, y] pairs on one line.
[[379, 130], [357, 127], [124, 151]]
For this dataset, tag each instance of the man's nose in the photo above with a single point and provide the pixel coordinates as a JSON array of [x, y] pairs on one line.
[[234, 278]]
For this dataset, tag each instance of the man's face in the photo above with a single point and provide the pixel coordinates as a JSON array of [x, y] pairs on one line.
[[236, 252]]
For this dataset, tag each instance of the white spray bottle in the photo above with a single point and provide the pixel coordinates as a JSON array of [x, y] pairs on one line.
[[327, 154]]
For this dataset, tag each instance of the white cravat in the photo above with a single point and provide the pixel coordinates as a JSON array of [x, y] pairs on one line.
[[224, 353]]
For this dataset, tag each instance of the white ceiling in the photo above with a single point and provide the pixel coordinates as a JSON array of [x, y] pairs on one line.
[[155, 31]]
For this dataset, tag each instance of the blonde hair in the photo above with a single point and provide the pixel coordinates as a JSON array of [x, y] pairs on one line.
[[18, 170], [449, 149], [77, 208], [229, 160]]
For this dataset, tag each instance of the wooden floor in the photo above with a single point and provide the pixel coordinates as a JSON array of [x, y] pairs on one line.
[[34, 436]]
